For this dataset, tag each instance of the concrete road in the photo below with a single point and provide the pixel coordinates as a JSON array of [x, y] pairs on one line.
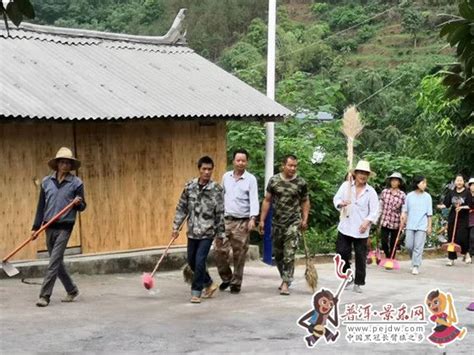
[[115, 314]]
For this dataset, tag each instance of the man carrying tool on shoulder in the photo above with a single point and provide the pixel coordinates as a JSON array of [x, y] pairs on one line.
[[57, 191]]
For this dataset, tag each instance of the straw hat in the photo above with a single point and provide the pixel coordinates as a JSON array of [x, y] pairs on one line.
[[64, 153], [471, 181], [363, 165], [396, 175]]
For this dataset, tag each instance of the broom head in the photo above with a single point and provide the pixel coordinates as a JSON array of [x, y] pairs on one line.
[[188, 274], [451, 247], [390, 264], [311, 276], [148, 281], [371, 258]]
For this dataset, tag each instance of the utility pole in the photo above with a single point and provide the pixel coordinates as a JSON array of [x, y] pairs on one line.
[[270, 126]]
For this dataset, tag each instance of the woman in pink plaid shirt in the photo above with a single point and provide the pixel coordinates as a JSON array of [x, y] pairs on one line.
[[391, 202]]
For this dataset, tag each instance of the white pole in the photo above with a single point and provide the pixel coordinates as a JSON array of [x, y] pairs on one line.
[[270, 126]]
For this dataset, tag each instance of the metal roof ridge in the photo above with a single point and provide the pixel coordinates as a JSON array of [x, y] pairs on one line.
[[174, 36]]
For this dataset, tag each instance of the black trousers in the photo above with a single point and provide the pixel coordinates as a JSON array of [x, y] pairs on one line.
[[388, 241], [344, 248]]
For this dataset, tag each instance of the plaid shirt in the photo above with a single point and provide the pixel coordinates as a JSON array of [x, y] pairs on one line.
[[391, 208]]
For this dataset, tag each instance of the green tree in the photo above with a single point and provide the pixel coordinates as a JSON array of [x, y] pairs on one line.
[[412, 22]]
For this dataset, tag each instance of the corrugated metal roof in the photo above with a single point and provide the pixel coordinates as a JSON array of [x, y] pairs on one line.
[[53, 76]]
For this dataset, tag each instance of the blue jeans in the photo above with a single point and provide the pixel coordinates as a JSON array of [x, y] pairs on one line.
[[415, 242], [198, 249]]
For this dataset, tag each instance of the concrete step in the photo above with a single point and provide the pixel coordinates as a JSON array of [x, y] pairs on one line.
[[111, 263]]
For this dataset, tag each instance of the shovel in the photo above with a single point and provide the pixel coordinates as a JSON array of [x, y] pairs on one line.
[[9, 269]]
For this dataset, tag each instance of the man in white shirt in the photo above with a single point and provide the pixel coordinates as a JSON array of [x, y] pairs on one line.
[[240, 211], [359, 203]]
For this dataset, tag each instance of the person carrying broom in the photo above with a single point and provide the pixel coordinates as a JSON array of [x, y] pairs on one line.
[[361, 205], [288, 193], [202, 203], [59, 189]]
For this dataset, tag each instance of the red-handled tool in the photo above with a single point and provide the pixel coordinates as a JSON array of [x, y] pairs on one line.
[[9, 269]]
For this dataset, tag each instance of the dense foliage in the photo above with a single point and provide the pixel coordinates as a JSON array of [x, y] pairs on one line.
[[384, 56]]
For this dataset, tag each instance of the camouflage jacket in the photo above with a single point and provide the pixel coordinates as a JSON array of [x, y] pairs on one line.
[[287, 197], [204, 209]]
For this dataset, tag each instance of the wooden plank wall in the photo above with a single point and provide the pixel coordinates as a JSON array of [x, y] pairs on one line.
[[134, 173], [25, 149]]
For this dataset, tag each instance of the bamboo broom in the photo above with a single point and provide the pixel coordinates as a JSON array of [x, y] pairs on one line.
[[311, 274], [351, 127]]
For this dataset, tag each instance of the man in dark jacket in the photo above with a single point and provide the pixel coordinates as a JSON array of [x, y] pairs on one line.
[[57, 191]]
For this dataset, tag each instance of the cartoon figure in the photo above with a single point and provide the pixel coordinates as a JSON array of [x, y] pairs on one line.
[[444, 332], [323, 303]]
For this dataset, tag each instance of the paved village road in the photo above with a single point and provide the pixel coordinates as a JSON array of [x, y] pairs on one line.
[[115, 314]]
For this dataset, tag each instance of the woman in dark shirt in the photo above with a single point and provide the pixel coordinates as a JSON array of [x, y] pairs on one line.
[[459, 199]]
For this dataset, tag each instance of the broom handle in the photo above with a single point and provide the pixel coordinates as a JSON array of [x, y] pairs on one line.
[[455, 226], [43, 227], [162, 256], [396, 242], [343, 284]]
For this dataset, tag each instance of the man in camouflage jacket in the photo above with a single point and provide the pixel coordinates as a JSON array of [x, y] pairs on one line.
[[288, 193], [202, 203]]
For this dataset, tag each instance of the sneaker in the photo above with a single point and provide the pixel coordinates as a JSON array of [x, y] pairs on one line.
[[284, 290], [415, 271], [195, 299], [70, 297], [357, 289], [223, 286], [42, 302], [234, 289], [209, 291], [468, 259], [450, 262]]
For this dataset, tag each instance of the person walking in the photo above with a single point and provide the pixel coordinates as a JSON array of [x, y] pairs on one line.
[[240, 212], [458, 200], [416, 219], [471, 222], [391, 202], [202, 203], [288, 193], [360, 203], [59, 189]]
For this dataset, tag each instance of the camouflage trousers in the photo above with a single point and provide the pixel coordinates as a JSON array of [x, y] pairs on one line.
[[285, 242], [235, 247]]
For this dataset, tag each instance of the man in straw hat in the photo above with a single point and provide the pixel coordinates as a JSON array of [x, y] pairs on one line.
[[361, 203], [58, 190], [289, 194]]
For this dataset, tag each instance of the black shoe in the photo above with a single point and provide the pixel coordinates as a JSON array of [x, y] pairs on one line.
[[234, 289], [223, 286]]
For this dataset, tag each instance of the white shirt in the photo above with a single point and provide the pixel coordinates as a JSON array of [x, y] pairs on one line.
[[241, 195], [364, 207]]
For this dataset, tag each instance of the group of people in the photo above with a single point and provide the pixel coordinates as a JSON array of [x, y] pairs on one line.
[[224, 214]]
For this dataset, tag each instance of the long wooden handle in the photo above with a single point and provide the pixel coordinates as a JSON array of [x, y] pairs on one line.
[[396, 242], [455, 226], [162, 256], [43, 227]]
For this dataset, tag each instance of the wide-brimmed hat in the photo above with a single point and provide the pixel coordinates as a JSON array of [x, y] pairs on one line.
[[396, 175], [64, 153], [363, 165], [471, 181]]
